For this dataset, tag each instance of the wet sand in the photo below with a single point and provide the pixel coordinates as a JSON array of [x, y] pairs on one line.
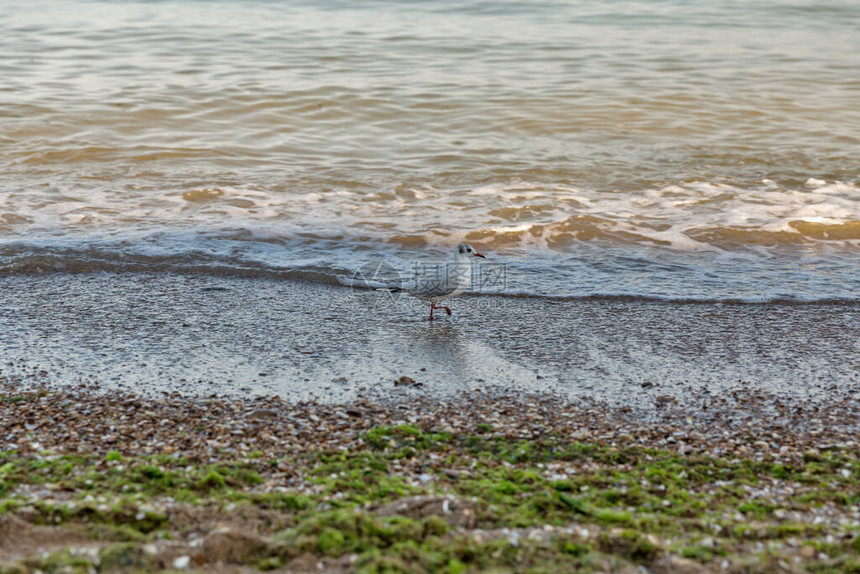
[[203, 335]]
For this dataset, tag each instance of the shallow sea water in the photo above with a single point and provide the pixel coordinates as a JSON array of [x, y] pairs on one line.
[[656, 149]]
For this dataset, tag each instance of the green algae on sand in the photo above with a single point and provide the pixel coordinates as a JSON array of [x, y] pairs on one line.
[[504, 485]]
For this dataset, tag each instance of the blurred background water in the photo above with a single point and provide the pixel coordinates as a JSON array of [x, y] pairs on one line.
[[681, 150]]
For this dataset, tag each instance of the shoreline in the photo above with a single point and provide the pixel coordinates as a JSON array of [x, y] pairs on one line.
[[131, 483], [152, 332]]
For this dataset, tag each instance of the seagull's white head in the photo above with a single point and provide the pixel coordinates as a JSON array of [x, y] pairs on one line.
[[466, 250]]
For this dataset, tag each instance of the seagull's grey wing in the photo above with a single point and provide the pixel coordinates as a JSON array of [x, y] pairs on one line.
[[431, 289], [453, 280]]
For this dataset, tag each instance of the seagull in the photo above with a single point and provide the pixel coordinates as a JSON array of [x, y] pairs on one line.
[[455, 280]]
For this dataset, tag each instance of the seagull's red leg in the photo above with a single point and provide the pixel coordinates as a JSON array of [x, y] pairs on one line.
[[434, 306]]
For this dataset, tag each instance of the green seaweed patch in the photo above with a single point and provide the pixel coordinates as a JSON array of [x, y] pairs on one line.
[[120, 515], [338, 532], [63, 561], [409, 435], [124, 557], [360, 478], [628, 497]]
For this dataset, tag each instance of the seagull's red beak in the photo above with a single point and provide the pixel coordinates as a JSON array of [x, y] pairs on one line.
[[479, 255]]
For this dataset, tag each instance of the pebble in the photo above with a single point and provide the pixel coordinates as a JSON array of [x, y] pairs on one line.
[[405, 381]]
